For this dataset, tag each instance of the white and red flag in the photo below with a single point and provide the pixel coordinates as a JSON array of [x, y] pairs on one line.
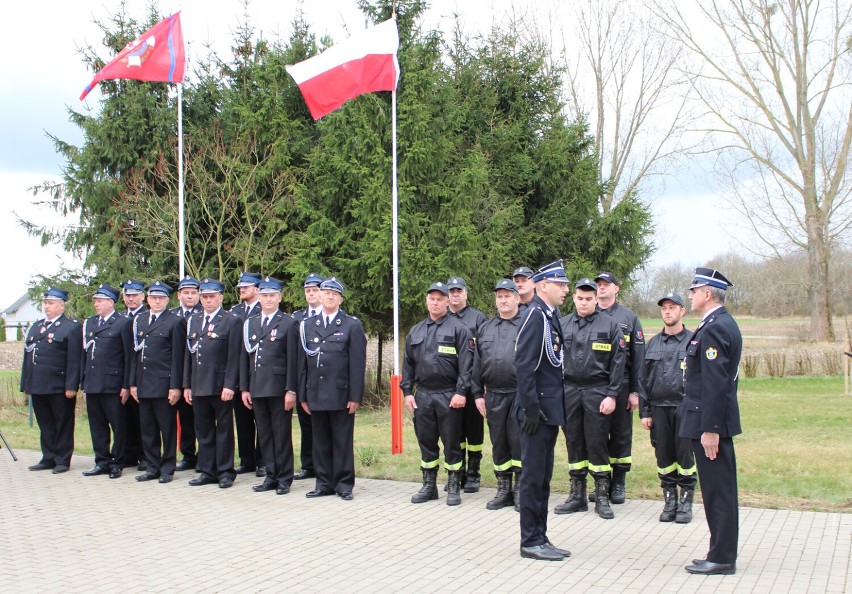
[[364, 63]]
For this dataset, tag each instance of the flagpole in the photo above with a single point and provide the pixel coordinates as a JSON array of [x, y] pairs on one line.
[[396, 379], [181, 240]]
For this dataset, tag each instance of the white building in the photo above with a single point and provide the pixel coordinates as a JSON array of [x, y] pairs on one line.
[[24, 313]]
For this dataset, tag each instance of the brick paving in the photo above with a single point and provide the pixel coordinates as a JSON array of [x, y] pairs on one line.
[[69, 533]]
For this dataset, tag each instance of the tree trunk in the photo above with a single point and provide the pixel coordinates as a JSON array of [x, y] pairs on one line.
[[381, 338], [819, 290]]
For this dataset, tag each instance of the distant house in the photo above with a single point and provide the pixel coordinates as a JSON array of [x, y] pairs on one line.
[[22, 313]]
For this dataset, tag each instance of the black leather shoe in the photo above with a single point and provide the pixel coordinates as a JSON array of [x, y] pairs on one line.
[[304, 474], [244, 468], [59, 469], [41, 466], [115, 473], [710, 568], [282, 489], [184, 465], [148, 476], [267, 485], [226, 482], [346, 495], [202, 479], [165, 478], [318, 493], [564, 552], [143, 466], [260, 472], [540, 553], [96, 471]]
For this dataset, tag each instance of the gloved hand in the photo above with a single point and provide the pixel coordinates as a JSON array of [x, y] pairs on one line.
[[532, 417]]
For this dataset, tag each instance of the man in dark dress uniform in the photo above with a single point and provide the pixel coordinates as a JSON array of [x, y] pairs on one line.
[[50, 376], [211, 376], [268, 378], [332, 362], [711, 416], [159, 339], [133, 294], [187, 293], [107, 354], [540, 406], [312, 297]]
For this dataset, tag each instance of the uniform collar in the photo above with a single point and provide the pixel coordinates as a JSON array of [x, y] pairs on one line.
[[439, 321], [679, 336], [212, 315], [707, 315]]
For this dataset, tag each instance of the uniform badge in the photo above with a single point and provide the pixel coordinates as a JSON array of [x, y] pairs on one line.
[[59, 323], [338, 321], [711, 353], [623, 344], [639, 335], [555, 348], [50, 337]]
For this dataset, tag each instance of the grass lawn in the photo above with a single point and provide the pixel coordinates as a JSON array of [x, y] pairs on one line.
[[795, 451]]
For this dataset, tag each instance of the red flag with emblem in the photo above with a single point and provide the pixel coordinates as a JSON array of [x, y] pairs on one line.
[[157, 55]]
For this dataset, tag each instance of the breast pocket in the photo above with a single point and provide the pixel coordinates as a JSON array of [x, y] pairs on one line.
[[447, 346], [692, 349], [337, 342]]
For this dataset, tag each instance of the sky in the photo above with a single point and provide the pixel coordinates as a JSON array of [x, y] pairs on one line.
[[41, 80]]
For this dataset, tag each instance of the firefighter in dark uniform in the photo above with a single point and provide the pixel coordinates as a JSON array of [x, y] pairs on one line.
[[187, 293], [133, 295], [251, 457], [438, 361], [473, 425], [660, 412], [494, 389], [594, 368], [620, 444], [522, 278], [156, 370], [50, 376], [107, 354], [540, 407], [332, 363], [268, 379], [311, 287], [211, 376], [711, 416]]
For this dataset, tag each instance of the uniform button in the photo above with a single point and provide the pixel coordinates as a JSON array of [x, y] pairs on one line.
[[321, 377]]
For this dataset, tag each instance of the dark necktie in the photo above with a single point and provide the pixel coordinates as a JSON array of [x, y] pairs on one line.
[[206, 322], [266, 321], [153, 319], [312, 313], [100, 322], [187, 313], [327, 321]]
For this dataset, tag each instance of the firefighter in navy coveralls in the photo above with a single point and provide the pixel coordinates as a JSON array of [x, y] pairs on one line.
[[133, 295], [711, 416], [268, 379], [660, 412], [107, 354], [494, 388], [211, 374], [50, 376], [438, 361], [594, 366], [332, 362], [540, 407], [159, 339], [187, 293]]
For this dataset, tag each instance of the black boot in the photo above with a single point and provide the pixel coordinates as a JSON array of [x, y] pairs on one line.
[[429, 490], [462, 473], [576, 500], [503, 498], [602, 507], [670, 498], [618, 489], [473, 478], [453, 497], [516, 491], [684, 506]]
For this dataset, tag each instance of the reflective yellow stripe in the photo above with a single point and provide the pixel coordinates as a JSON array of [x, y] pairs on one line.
[[432, 464], [578, 465], [685, 471], [626, 338], [447, 350], [601, 346], [517, 464], [474, 448], [501, 467], [604, 468], [667, 469], [463, 445], [627, 460], [683, 364], [451, 466]]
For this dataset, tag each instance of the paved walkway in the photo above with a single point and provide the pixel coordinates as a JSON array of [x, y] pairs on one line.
[[69, 533]]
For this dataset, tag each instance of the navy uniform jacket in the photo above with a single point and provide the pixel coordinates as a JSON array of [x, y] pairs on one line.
[[634, 339], [214, 363], [710, 379], [178, 311], [52, 358], [239, 310], [331, 372], [664, 365], [272, 369], [594, 351], [107, 355], [157, 367], [539, 381], [494, 356], [438, 356]]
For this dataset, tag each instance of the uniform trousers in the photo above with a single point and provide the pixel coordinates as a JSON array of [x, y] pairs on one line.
[[55, 416], [306, 456], [159, 435], [534, 491], [472, 431], [275, 433], [106, 412], [675, 462], [620, 444], [433, 419], [247, 444], [133, 434], [586, 430], [214, 429], [186, 418], [504, 430], [334, 456], [719, 492]]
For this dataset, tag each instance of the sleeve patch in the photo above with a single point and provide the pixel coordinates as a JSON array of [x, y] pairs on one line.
[[711, 353]]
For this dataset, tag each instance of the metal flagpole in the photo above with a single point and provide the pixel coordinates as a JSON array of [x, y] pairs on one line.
[[181, 240], [396, 390]]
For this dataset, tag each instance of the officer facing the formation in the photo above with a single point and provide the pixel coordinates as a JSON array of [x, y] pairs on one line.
[[133, 294], [711, 416], [247, 445], [494, 388], [522, 278], [312, 298], [268, 379], [473, 426], [620, 444], [50, 376], [594, 367], [211, 374], [540, 406], [107, 354], [156, 370], [188, 297], [438, 361], [332, 363], [660, 412]]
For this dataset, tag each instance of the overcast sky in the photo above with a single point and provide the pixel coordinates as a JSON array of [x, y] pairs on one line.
[[43, 75]]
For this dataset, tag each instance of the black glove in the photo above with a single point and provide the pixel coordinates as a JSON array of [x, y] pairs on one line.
[[531, 420]]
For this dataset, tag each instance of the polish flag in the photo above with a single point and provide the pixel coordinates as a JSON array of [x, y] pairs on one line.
[[364, 63]]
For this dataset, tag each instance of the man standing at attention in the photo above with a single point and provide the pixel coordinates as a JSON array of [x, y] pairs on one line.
[[188, 296]]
